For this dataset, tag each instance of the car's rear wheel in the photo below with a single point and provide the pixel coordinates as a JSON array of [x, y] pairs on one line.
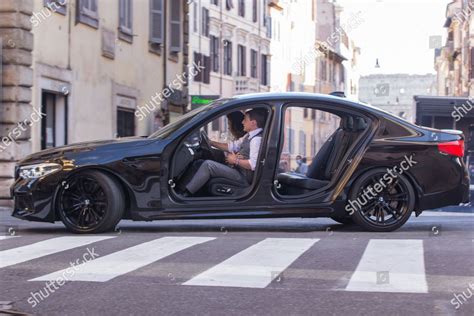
[[384, 207], [90, 202]]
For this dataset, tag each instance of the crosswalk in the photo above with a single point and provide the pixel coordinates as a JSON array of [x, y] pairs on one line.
[[386, 265]]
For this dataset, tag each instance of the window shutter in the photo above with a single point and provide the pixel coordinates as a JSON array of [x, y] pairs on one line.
[[175, 26], [198, 62], [156, 21], [207, 69]]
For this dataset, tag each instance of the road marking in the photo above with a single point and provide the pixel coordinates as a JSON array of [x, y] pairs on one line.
[[44, 248], [391, 266], [256, 266], [3, 237], [118, 263]]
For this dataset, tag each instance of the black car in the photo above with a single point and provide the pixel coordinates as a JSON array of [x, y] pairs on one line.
[[364, 166]]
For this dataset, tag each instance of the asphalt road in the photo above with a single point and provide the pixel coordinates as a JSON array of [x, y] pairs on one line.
[[241, 267]]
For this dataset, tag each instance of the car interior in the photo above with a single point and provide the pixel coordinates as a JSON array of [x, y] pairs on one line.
[[197, 147], [326, 161]]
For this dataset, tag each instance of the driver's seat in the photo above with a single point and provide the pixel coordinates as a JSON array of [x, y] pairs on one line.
[[226, 187]]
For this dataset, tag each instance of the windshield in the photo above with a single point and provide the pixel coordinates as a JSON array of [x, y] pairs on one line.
[[169, 129]]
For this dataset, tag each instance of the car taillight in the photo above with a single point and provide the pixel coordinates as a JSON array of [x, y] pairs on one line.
[[455, 148]]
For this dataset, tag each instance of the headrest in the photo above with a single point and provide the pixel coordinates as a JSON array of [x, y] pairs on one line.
[[359, 124], [347, 123]]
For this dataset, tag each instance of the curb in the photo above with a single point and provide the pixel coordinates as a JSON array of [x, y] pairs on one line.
[[5, 209]]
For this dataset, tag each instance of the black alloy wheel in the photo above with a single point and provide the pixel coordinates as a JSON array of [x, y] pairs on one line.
[[385, 209], [90, 202]]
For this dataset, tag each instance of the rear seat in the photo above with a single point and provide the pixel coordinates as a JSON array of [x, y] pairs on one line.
[[328, 158]]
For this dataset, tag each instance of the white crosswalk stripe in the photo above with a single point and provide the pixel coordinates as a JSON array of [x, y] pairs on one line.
[[396, 266], [3, 237], [44, 248], [111, 266], [256, 266]]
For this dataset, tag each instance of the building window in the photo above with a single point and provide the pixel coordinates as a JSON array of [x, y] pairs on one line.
[[472, 63], [203, 75], [342, 74], [269, 26], [241, 61], [195, 17], [264, 79], [58, 6], [156, 22], [215, 2], [253, 63], [175, 26], [323, 70], [229, 5], [254, 11], [264, 13], [205, 22], [125, 20], [241, 8], [214, 53], [54, 123], [87, 13], [125, 122], [228, 58], [302, 143]]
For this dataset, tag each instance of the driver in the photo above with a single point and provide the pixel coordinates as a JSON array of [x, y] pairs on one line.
[[241, 158]]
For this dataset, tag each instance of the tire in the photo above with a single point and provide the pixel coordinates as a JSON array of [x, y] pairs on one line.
[[90, 202], [391, 207], [343, 220]]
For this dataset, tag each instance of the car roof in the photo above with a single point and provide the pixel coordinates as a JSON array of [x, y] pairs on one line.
[[276, 96]]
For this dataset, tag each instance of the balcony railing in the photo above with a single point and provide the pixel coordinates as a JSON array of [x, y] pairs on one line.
[[244, 85]]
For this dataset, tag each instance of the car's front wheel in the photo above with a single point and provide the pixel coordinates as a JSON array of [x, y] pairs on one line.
[[90, 202], [380, 202]]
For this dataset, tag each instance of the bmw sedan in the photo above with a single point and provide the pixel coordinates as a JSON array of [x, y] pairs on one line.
[[320, 156]]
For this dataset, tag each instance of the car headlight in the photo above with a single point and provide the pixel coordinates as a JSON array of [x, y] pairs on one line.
[[38, 170]]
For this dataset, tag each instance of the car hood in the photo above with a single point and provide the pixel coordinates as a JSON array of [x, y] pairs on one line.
[[57, 152]]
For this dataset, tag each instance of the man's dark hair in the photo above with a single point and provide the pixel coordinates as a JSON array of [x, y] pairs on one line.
[[259, 115]]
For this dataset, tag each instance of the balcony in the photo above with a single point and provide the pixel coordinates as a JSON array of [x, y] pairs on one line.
[[243, 85]]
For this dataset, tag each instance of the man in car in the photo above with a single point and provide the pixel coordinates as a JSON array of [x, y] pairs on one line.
[[241, 158]]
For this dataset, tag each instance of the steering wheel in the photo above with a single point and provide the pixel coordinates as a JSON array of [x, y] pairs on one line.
[[205, 142]]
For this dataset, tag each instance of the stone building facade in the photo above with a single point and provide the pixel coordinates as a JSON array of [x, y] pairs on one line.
[[454, 62], [394, 92]]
